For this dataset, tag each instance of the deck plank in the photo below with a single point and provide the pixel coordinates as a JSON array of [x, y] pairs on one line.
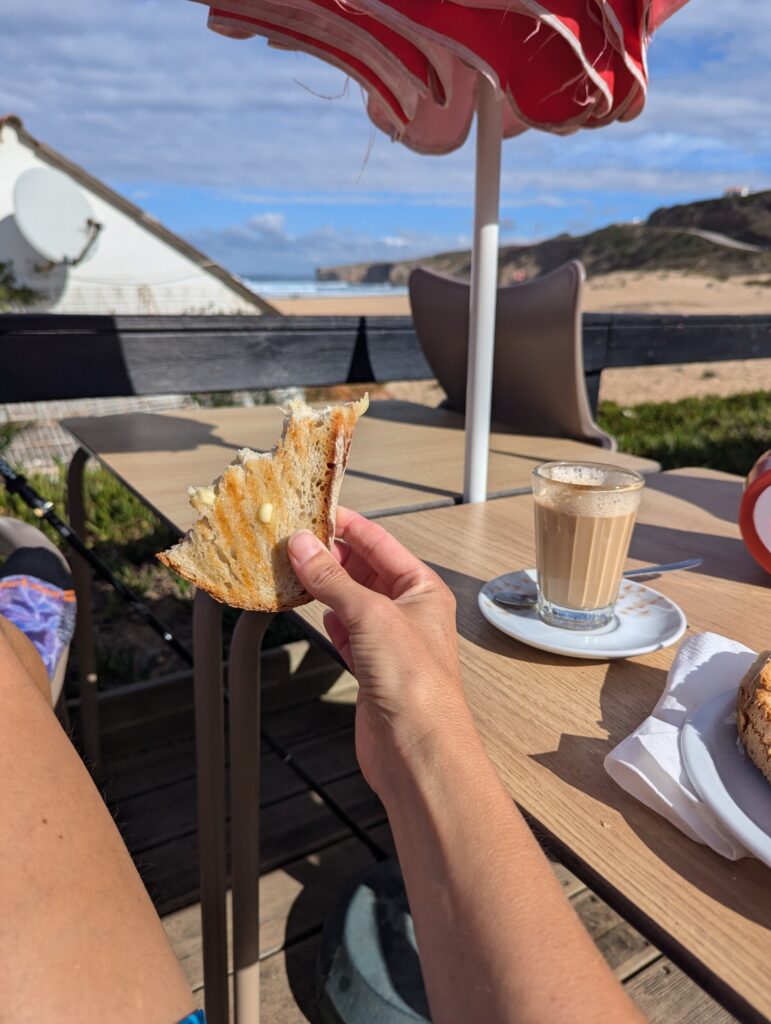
[[293, 828], [143, 771], [333, 713], [622, 946], [294, 901], [288, 985], [169, 809], [571, 886], [665, 994], [148, 728]]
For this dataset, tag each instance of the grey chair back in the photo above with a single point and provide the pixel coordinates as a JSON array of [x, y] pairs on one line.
[[538, 375]]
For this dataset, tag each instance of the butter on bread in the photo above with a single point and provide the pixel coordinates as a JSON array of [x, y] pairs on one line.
[[237, 548], [753, 712]]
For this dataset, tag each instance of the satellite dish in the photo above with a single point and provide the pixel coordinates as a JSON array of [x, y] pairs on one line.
[[54, 216]]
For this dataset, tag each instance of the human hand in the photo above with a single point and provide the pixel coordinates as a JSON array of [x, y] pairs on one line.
[[392, 619]]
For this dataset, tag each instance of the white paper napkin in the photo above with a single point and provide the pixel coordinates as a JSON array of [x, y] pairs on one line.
[[648, 765]]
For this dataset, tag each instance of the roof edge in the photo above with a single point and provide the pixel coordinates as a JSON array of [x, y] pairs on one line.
[[136, 214]]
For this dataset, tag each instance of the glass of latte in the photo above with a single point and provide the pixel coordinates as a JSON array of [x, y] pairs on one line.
[[584, 517]]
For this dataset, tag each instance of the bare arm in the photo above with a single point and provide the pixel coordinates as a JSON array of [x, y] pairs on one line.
[[498, 942], [79, 938]]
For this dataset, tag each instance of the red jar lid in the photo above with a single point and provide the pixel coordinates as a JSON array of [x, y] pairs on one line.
[[755, 511]]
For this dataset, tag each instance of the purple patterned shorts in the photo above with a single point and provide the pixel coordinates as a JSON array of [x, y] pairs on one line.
[[43, 612]]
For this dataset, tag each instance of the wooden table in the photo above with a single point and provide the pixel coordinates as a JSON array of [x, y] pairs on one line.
[[548, 722], [404, 456]]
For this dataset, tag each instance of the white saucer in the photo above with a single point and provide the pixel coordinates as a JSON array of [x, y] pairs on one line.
[[644, 621], [724, 777]]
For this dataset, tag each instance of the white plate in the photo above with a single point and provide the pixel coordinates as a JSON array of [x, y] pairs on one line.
[[724, 777], [644, 621]]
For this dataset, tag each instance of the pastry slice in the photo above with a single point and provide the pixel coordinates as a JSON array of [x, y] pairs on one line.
[[753, 712]]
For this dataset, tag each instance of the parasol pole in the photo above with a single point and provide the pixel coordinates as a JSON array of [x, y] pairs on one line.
[[484, 289]]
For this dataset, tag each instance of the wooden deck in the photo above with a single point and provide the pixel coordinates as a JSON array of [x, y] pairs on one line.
[[307, 853]]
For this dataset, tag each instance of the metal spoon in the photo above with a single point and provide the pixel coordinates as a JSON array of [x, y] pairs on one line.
[[525, 597]]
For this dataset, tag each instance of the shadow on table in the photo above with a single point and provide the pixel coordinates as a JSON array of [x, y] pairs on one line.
[[397, 411], [472, 625], [720, 498], [413, 485], [527, 456], [155, 432], [724, 557], [578, 762]]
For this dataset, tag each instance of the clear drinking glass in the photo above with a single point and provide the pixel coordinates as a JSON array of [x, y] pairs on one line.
[[584, 517]]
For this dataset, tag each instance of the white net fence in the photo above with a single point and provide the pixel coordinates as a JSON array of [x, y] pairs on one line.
[[42, 443]]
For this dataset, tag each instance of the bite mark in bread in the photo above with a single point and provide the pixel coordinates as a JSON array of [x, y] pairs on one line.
[[237, 549], [753, 712]]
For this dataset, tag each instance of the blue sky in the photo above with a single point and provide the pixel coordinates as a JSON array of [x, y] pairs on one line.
[[229, 143]]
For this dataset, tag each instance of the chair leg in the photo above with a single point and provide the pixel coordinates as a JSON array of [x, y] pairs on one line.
[[210, 789], [244, 679], [84, 629]]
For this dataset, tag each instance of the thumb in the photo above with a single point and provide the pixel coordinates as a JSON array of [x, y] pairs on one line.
[[323, 577]]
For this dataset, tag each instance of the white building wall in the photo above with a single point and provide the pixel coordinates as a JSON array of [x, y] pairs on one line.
[[128, 271]]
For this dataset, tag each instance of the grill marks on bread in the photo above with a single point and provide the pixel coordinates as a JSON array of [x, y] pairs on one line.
[[243, 561], [232, 524]]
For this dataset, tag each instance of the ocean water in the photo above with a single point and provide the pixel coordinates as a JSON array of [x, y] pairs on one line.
[[308, 288]]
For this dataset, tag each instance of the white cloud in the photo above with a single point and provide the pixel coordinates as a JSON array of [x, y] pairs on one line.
[[270, 225], [264, 242], [141, 93]]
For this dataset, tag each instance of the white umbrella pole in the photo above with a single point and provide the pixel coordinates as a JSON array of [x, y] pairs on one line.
[[483, 291], [484, 285]]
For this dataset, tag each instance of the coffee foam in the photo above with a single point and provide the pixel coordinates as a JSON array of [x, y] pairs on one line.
[[580, 476], [581, 491]]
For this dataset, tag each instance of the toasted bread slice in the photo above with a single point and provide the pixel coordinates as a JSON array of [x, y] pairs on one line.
[[237, 550], [753, 712]]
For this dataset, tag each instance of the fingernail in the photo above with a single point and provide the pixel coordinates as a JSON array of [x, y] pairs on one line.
[[304, 545]]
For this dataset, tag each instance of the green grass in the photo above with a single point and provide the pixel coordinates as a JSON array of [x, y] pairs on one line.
[[721, 433], [118, 525]]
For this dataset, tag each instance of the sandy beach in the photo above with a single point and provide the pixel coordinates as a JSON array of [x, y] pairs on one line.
[[662, 292]]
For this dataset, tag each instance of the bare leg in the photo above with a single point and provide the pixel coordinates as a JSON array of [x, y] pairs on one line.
[[27, 654], [79, 938]]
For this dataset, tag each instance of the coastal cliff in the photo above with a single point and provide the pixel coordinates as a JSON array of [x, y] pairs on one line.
[[717, 238]]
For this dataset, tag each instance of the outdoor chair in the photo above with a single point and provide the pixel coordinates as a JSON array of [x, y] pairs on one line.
[[538, 375]]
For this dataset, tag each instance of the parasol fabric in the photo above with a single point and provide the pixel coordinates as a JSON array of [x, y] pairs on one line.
[[426, 66], [558, 66]]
